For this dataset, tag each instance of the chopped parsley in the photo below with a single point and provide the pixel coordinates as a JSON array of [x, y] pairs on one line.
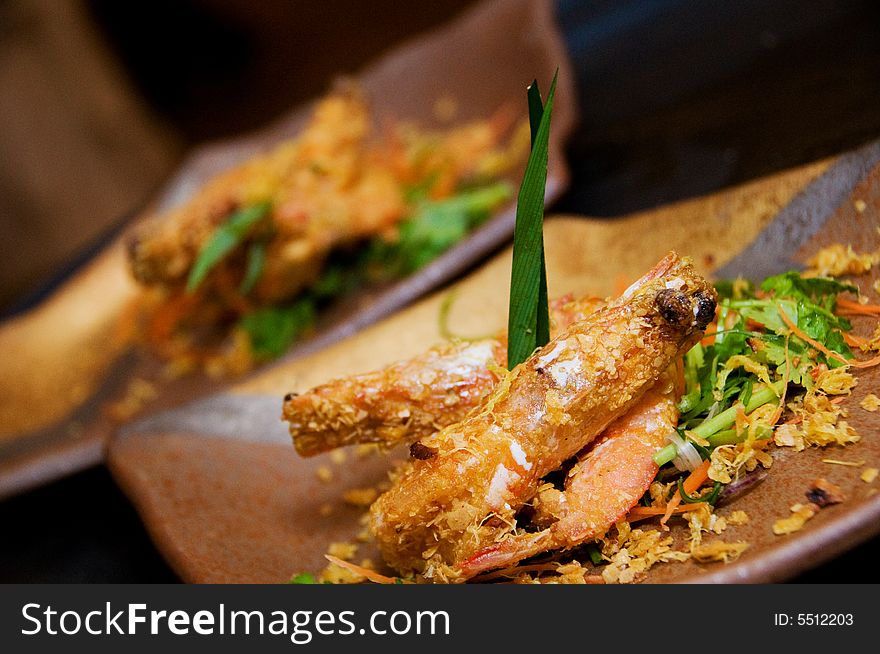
[[273, 329], [303, 578], [751, 357]]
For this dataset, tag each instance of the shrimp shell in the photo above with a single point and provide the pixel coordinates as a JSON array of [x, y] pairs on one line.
[[410, 399], [611, 474], [443, 510]]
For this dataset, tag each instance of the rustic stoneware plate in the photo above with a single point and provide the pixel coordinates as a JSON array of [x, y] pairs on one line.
[[67, 359], [226, 499]]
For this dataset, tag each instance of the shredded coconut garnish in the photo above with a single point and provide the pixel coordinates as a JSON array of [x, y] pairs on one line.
[[718, 551], [838, 462], [800, 513], [870, 402], [836, 260], [634, 552], [360, 496], [737, 518]]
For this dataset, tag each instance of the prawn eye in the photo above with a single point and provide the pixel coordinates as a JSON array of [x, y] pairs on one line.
[[675, 307], [705, 309]]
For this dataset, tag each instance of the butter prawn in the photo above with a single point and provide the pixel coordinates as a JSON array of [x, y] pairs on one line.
[[446, 512], [410, 399], [242, 269], [606, 482]]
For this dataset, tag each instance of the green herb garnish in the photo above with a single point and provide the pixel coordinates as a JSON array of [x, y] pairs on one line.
[[273, 329], [256, 261], [595, 555], [542, 328], [303, 578], [753, 345], [435, 226], [815, 290], [528, 316], [224, 240]]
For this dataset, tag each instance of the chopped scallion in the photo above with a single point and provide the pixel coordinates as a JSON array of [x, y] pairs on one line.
[[665, 455], [224, 240], [256, 260]]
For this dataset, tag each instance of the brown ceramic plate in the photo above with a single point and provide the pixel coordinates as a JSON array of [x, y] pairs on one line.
[[64, 362], [226, 499]]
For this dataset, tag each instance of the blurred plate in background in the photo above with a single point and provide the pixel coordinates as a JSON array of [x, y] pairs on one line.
[[65, 359]]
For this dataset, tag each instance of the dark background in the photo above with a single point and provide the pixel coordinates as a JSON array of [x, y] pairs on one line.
[[677, 99]]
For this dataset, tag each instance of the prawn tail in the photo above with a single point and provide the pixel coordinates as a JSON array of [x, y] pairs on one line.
[[506, 553]]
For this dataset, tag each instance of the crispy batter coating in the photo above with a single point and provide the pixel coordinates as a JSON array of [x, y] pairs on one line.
[[409, 399], [607, 481], [324, 193], [444, 510], [402, 402], [336, 183]]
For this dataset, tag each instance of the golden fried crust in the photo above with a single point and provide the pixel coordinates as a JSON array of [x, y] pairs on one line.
[[611, 474], [446, 508], [323, 189], [410, 399], [404, 401], [337, 183]]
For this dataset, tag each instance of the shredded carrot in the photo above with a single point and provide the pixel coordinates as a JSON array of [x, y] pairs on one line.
[[849, 308], [372, 575], [854, 341], [690, 485], [824, 350], [711, 330], [697, 477], [166, 318], [643, 512], [867, 363], [818, 370], [742, 420], [754, 325]]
